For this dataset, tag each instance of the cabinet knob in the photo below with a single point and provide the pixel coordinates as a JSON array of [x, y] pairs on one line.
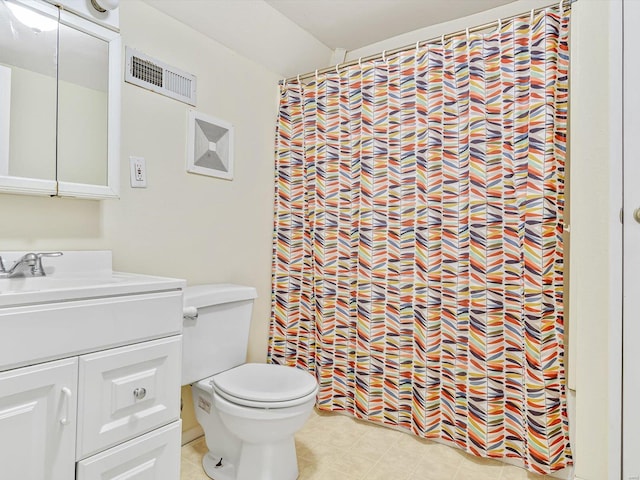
[[139, 393]]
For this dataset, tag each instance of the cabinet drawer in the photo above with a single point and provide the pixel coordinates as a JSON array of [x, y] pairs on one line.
[[154, 456], [126, 391]]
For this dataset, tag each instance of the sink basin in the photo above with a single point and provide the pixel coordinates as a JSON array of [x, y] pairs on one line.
[[35, 284], [78, 275]]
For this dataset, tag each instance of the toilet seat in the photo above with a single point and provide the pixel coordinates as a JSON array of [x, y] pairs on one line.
[[262, 385]]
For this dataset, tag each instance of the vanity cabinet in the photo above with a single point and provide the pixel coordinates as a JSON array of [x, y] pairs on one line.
[[55, 413], [90, 377]]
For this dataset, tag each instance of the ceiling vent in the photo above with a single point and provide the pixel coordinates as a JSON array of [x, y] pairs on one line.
[[157, 76]]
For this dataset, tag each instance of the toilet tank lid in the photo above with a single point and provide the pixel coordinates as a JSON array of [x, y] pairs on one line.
[[216, 294]]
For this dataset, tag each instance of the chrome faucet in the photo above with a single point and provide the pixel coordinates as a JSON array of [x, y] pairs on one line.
[[32, 260]]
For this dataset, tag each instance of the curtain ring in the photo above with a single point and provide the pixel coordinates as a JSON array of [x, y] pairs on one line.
[[384, 56], [337, 71], [316, 75], [284, 82], [298, 79], [499, 25], [360, 62], [417, 45], [442, 40], [533, 11], [467, 33], [561, 7]]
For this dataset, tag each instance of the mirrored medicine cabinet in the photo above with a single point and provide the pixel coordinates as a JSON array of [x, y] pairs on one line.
[[59, 102]]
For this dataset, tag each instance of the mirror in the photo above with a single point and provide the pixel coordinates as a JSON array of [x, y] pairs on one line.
[[28, 96], [83, 93], [59, 103]]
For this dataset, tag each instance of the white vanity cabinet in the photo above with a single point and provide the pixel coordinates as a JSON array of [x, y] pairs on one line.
[[90, 376]]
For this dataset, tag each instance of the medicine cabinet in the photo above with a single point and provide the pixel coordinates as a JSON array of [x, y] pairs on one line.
[[59, 102]]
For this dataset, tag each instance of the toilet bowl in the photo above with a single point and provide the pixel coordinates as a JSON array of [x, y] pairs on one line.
[[260, 417], [249, 412]]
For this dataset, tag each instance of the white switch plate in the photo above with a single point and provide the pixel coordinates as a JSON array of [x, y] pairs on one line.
[[138, 171]]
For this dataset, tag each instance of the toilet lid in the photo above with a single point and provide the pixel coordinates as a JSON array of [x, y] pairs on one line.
[[259, 382]]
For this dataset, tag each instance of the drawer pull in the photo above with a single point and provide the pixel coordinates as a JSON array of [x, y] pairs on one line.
[[139, 393], [66, 399]]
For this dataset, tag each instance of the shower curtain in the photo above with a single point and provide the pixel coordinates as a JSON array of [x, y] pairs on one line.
[[418, 256]]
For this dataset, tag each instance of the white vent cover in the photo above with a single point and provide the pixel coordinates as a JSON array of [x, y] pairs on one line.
[[209, 146], [157, 76]]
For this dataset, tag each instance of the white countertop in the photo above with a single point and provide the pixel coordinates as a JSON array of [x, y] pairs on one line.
[[77, 275]]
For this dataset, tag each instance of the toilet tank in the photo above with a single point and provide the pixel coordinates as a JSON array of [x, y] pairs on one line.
[[217, 339]]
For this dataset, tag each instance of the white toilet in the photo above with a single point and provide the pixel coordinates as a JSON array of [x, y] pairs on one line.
[[249, 411]]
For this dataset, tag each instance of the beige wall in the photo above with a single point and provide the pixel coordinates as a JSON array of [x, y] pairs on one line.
[[183, 225]]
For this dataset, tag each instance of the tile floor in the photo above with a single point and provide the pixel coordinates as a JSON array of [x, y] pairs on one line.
[[337, 447]]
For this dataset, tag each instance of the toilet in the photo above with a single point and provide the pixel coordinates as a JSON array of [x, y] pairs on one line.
[[249, 411]]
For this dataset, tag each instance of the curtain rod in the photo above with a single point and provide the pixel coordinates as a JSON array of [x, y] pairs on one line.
[[419, 43]]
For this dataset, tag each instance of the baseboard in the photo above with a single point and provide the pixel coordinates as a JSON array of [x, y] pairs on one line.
[[191, 434]]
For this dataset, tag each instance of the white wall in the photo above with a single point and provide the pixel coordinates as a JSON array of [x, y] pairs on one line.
[[590, 307]]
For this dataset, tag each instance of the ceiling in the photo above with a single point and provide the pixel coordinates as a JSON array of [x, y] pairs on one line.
[[352, 24], [296, 36]]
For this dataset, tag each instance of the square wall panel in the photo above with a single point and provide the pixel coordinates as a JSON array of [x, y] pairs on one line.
[[210, 146]]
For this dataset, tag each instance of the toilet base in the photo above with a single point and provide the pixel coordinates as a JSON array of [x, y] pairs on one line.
[[226, 471], [273, 461]]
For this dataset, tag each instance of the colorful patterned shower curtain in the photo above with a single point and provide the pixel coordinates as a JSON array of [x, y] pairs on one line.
[[418, 256]]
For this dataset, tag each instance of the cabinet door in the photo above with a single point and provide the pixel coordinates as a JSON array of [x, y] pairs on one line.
[[154, 456], [38, 421], [127, 391]]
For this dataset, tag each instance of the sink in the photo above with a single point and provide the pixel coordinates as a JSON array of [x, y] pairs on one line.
[[76, 275], [34, 284]]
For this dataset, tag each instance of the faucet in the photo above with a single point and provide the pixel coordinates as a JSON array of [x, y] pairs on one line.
[[33, 260]]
